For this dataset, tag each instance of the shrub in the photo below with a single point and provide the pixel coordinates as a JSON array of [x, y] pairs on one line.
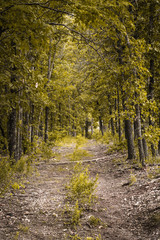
[[46, 151], [93, 221], [76, 214], [133, 179], [118, 147], [5, 174], [11, 174], [81, 187]]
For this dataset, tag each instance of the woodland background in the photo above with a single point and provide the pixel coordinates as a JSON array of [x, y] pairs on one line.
[[67, 67]]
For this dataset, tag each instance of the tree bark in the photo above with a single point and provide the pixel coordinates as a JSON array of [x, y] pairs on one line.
[[12, 120], [119, 120], [46, 124], [25, 132], [116, 117], [150, 97], [152, 68], [139, 135], [12, 134], [4, 137], [32, 123], [135, 131], [159, 147], [86, 128], [159, 136], [92, 126], [130, 139], [19, 134], [101, 125], [145, 148], [51, 126], [112, 127]]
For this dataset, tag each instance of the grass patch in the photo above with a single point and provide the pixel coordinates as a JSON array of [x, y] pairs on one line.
[[114, 145], [106, 138], [132, 179], [78, 154], [12, 175], [77, 237], [69, 141], [93, 221], [76, 214], [153, 160], [81, 186], [117, 147], [153, 172], [80, 194], [23, 228]]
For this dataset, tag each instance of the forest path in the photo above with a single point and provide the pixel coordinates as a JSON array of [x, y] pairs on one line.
[[126, 212]]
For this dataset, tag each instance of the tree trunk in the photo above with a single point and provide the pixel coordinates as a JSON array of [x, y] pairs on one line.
[[159, 136], [145, 148], [150, 97], [12, 121], [111, 120], [51, 126], [12, 134], [112, 127], [41, 129], [19, 134], [152, 67], [130, 139], [101, 125], [4, 137], [116, 117], [25, 132], [32, 122], [92, 126], [86, 128], [159, 147], [119, 120], [46, 124], [135, 131], [139, 135], [60, 116]]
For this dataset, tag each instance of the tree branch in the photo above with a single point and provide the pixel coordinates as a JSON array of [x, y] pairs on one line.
[[39, 5], [6, 9], [79, 33]]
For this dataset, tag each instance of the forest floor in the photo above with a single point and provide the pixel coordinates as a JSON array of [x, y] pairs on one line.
[[127, 205]]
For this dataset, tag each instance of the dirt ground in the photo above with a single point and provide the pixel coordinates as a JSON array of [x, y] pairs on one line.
[[125, 211]]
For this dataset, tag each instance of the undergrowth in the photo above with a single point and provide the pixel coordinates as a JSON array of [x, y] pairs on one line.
[[11, 176], [153, 172], [68, 141], [106, 138], [77, 237], [78, 154], [152, 160], [12, 173], [80, 194], [117, 147], [81, 186], [114, 145], [133, 179]]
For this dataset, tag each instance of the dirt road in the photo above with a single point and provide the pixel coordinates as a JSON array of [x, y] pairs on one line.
[[125, 211]]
